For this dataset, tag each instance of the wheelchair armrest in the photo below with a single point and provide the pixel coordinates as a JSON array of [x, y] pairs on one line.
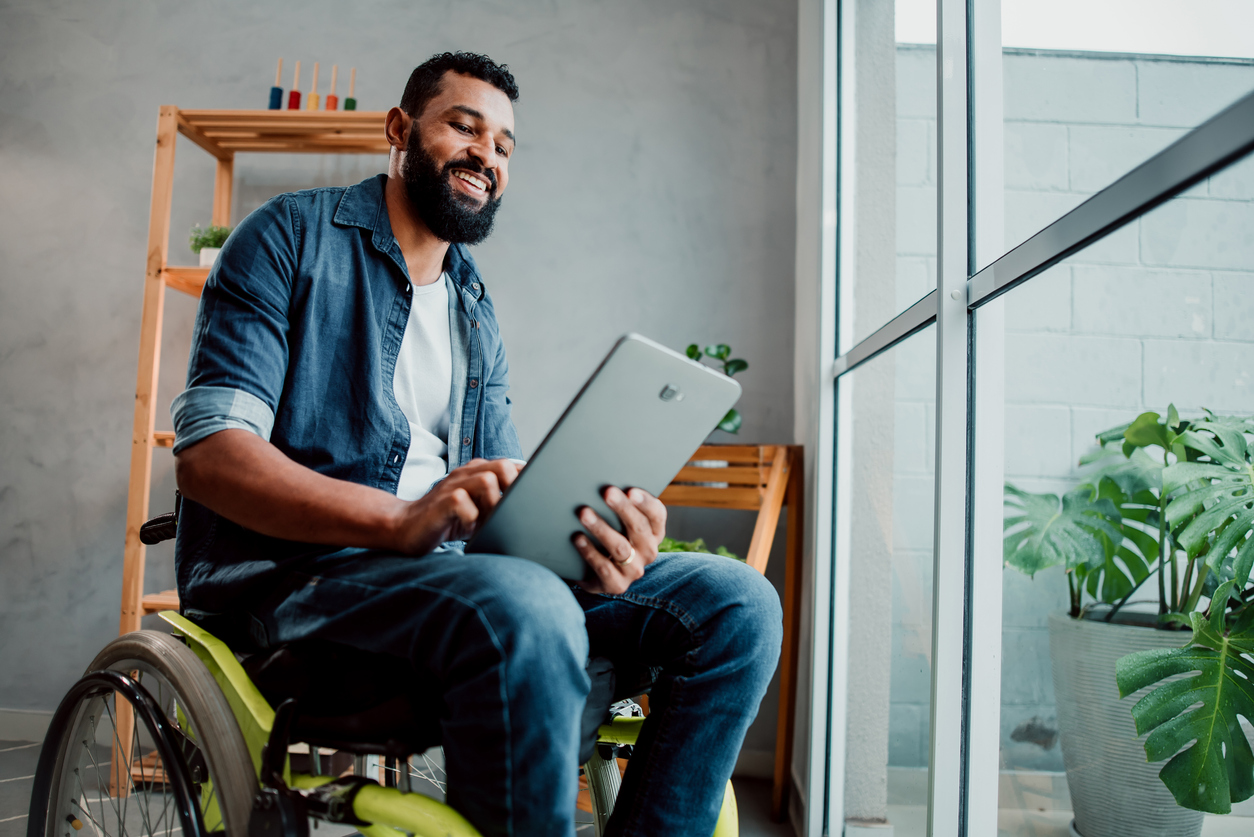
[[160, 528]]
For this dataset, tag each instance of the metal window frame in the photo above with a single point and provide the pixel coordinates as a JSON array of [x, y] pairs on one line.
[[1215, 144], [1207, 149]]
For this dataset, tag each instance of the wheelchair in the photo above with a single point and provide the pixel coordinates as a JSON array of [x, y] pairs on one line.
[[175, 732]]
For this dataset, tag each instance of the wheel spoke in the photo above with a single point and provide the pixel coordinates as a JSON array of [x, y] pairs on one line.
[[87, 745]]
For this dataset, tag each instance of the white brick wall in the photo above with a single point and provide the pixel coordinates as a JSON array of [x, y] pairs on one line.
[[1161, 311]]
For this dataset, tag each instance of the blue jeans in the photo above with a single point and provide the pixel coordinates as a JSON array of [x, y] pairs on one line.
[[505, 643]]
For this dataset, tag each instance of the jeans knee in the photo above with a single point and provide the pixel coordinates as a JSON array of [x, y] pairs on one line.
[[534, 614], [752, 620]]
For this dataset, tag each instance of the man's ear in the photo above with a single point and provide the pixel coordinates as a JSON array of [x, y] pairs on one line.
[[396, 127]]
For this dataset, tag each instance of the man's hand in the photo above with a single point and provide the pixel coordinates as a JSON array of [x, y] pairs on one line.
[[452, 509], [247, 480], [644, 521]]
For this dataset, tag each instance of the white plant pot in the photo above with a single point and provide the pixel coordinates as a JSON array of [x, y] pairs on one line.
[[209, 255], [1115, 792]]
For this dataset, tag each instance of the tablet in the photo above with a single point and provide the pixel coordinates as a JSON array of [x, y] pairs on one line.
[[634, 424]]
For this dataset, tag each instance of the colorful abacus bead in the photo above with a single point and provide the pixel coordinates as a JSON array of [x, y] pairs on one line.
[[332, 99], [313, 91], [276, 92], [350, 104], [293, 98]]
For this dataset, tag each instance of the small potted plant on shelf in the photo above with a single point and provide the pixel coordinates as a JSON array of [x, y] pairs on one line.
[[207, 242], [721, 355], [1168, 505]]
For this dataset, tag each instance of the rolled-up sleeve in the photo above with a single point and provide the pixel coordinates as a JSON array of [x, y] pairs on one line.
[[239, 352], [202, 411]]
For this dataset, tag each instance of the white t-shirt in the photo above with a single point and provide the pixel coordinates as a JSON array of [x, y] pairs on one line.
[[423, 383]]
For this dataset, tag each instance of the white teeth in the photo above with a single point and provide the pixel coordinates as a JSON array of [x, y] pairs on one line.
[[472, 180]]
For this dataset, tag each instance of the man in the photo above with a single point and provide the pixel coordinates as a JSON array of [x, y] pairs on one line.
[[346, 425]]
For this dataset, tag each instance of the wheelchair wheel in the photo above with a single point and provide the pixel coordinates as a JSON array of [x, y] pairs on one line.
[[88, 790]]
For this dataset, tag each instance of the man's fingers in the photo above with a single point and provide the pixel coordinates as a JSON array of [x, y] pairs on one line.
[[638, 529], [611, 577], [618, 547], [652, 508]]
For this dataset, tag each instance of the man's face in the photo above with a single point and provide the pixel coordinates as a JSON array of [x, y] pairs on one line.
[[456, 162]]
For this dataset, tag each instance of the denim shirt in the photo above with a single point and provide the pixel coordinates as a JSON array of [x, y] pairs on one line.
[[296, 339]]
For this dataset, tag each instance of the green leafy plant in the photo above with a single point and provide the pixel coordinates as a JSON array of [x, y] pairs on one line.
[[721, 353], [1171, 499], [211, 236], [672, 545]]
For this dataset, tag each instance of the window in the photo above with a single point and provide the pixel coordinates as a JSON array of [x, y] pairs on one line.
[[1066, 243]]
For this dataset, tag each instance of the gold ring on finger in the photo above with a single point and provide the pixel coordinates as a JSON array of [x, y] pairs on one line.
[[628, 559]]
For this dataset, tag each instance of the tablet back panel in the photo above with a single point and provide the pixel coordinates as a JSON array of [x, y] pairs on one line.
[[634, 424]]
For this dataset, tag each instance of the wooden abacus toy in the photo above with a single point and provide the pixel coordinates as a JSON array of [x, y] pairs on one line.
[[350, 103], [293, 98], [276, 92], [332, 100]]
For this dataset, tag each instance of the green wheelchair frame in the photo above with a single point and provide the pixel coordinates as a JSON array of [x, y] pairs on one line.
[[388, 810], [375, 810]]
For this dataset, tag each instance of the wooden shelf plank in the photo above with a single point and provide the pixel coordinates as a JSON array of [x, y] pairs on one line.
[[163, 439], [732, 475], [224, 132], [712, 498], [157, 602], [734, 454], [189, 280]]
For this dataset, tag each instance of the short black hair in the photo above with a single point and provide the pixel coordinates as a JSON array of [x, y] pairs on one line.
[[424, 81]]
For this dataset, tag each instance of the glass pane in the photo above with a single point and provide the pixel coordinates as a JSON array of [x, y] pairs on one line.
[[1077, 121], [888, 534], [1091, 346], [896, 205]]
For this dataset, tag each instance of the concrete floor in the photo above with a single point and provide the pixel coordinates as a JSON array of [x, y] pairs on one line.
[[18, 759]]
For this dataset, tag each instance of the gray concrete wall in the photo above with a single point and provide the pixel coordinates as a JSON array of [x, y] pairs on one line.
[[1159, 311], [653, 190]]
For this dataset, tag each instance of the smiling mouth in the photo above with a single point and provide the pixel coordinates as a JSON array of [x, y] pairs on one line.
[[475, 184]]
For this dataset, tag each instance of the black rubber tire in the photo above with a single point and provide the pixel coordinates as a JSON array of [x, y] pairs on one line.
[[175, 677]]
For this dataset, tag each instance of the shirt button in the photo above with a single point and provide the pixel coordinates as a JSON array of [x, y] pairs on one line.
[[474, 382], [466, 441], [407, 289], [398, 458], [474, 285]]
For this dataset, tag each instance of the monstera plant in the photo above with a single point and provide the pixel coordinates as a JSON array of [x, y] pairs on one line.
[[1167, 500], [1208, 496]]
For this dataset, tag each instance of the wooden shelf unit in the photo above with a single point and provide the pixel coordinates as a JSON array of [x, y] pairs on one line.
[[222, 133]]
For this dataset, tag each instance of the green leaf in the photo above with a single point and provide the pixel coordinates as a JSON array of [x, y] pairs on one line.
[[672, 545], [1134, 473], [1042, 531], [1145, 430], [1213, 499], [1123, 569], [722, 351], [1193, 721], [731, 422], [693, 351], [1114, 434], [735, 365]]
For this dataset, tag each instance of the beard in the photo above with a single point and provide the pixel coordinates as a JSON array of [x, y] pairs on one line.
[[450, 216]]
